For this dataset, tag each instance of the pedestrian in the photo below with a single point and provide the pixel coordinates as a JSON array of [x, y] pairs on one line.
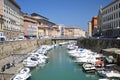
[[3, 68], [13, 64]]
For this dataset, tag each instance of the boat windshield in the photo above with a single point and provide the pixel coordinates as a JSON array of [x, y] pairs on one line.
[[34, 59]]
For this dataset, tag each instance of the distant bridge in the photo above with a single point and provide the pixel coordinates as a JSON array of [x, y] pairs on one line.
[[65, 38], [62, 39]]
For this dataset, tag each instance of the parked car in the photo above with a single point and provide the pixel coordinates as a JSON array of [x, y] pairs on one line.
[[2, 38], [21, 38]]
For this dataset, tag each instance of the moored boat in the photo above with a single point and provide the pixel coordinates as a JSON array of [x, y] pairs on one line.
[[109, 73], [113, 74], [24, 74], [102, 73], [89, 67]]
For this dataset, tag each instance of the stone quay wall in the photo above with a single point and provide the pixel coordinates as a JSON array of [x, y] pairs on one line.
[[98, 44], [16, 51], [20, 47]]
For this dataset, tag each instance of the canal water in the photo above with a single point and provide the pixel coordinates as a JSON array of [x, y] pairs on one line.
[[61, 67]]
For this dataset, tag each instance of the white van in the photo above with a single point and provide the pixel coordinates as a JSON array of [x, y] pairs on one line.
[[2, 38]]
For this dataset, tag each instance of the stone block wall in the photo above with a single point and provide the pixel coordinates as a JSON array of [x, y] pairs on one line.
[[20, 47], [98, 44]]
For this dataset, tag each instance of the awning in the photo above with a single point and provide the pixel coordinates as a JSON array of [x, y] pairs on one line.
[[112, 50]]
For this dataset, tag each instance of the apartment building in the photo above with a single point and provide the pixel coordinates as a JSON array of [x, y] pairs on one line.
[[89, 29], [55, 31], [94, 22], [74, 31], [30, 26], [109, 20], [38, 26], [92, 26], [44, 25], [11, 25], [61, 29]]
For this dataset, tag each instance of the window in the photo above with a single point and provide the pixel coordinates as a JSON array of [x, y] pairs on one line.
[[119, 5], [116, 6], [119, 14], [119, 23], [116, 23], [116, 15], [112, 8], [119, 32]]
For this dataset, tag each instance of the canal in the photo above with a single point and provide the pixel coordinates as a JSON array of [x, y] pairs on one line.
[[61, 67]]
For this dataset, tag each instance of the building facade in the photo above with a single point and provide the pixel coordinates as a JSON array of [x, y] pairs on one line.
[[74, 32], [94, 24], [89, 29], [11, 13], [37, 26], [44, 25], [30, 27], [110, 20], [55, 31], [99, 31]]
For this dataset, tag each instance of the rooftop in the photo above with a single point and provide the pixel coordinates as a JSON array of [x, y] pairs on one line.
[[14, 3], [38, 15], [110, 4]]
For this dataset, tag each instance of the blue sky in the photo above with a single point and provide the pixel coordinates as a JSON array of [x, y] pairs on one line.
[[67, 12]]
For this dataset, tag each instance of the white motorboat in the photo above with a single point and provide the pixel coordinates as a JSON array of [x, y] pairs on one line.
[[89, 67], [113, 74], [72, 47], [89, 58], [79, 50], [109, 73], [34, 60], [37, 55], [24, 74], [30, 62], [78, 53], [75, 55], [81, 61], [43, 50], [102, 73]]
